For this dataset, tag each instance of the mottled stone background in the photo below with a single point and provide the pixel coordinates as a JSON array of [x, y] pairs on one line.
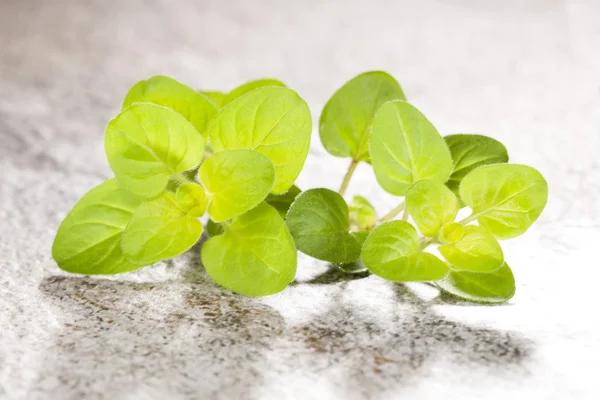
[[525, 72]]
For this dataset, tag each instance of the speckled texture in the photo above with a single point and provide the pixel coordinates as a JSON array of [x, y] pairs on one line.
[[526, 73]]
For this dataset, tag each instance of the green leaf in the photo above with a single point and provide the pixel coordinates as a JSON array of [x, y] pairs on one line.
[[432, 205], [282, 202], [167, 92], [362, 214], [255, 256], [217, 98], [345, 123], [493, 287], [87, 241], [451, 233], [214, 228], [237, 181], [320, 225], [406, 148], [274, 121], [250, 86], [356, 266], [472, 151], [477, 251], [505, 198], [166, 226], [147, 144], [392, 252]]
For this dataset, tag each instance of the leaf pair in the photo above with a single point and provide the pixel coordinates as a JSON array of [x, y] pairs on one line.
[[221, 99]]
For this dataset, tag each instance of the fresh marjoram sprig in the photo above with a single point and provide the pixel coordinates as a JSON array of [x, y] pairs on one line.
[[182, 156]]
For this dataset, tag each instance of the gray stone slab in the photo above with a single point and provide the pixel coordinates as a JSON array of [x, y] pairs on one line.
[[527, 73]]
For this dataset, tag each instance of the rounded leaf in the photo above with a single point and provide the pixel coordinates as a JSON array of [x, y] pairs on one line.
[[319, 223], [164, 227], [472, 151], [451, 233], [87, 240], [477, 251], [250, 86], [283, 202], [146, 144], [345, 123], [273, 121], [167, 92], [505, 198], [237, 181], [362, 214], [432, 205], [493, 287], [255, 255], [406, 148], [392, 252]]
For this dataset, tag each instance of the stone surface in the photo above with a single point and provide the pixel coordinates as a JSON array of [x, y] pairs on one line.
[[526, 73]]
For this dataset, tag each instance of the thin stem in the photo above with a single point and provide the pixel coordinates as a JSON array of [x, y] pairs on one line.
[[424, 242], [470, 218], [348, 176], [405, 215], [395, 211]]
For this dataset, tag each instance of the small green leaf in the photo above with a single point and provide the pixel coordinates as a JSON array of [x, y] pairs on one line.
[[345, 123], [392, 252], [282, 202], [274, 121], [472, 151], [492, 287], [87, 241], [214, 228], [167, 92], [166, 226], [432, 205], [362, 214], [237, 181], [255, 256], [356, 266], [505, 198], [250, 86], [406, 148], [451, 233], [217, 98], [147, 144], [320, 225], [477, 251]]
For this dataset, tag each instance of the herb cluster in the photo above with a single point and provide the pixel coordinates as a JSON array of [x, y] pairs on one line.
[[179, 154]]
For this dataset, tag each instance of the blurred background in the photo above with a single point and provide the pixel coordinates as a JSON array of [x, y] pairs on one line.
[[524, 72]]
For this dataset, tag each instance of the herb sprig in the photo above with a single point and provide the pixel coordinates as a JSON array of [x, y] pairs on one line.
[[182, 156]]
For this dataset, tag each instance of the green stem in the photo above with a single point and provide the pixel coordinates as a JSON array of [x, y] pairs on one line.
[[405, 215], [347, 177], [424, 242], [470, 218], [395, 211]]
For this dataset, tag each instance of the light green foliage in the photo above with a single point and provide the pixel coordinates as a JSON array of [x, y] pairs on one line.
[[166, 226], [282, 202], [319, 223], [250, 86], [147, 144], [255, 256], [362, 214], [345, 123], [494, 287], [505, 198], [236, 181], [392, 251], [167, 92], [274, 121], [432, 205], [406, 148], [217, 98], [451, 233], [87, 241], [477, 251], [472, 151]]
